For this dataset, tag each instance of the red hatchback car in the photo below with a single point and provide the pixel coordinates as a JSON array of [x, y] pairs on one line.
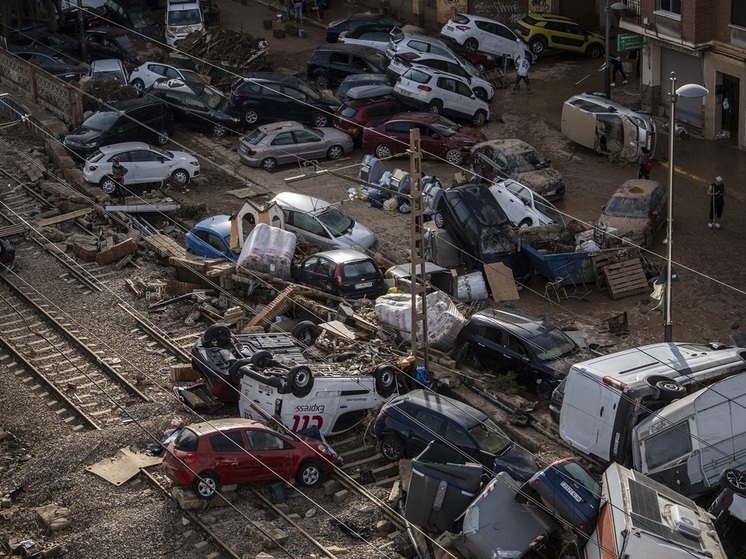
[[439, 137], [359, 110], [236, 450]]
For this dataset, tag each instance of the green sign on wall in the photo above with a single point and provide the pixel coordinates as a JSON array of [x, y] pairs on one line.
[[628, 41]]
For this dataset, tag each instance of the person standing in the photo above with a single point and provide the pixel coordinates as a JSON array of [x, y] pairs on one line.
[[117, 173], [644, 164], [617, 66], [298, 9], [716, 193], [523, 66], [320, 4]]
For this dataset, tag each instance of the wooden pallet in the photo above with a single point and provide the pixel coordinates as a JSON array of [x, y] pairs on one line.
[[626, 278]]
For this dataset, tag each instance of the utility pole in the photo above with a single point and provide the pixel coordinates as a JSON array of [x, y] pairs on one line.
[[83, 48]]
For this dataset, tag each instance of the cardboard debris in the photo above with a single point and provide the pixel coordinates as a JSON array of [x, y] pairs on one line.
[[123, 466]]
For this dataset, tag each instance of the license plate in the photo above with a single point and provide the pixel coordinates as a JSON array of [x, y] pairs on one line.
[[449, 27], [364, 285]]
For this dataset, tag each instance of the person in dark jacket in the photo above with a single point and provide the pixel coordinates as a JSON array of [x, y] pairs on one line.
[[643, 164], [716, 193]]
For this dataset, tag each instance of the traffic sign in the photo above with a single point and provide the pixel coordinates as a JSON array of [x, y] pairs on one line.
[[628, 41]]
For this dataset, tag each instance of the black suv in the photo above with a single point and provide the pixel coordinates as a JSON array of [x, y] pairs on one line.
[[56, 63], [135, 15], [408, 423], [269, 96], [330, 64], [146, 119], [106, 41], [535, 350], [356, 20], [478, 223]]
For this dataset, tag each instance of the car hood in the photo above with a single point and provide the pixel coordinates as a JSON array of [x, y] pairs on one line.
[[518, 462], [83, 135], [183, 156], [631, 227], [335, 135], [359, 237], [468, 135], [541, 180]]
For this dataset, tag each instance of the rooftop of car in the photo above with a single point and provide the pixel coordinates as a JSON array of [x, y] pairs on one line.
[[107, 30], [399, 35], [342, 255], [122, 146], [125, 104], [301, 202], [105, 64], [424, 118], [550, 17], [216, 425], [370, 93], [460, 412], [637, 188], [346, 47], [221, 224], [508, 145], [601, 100], [524, 326], [283, 125]]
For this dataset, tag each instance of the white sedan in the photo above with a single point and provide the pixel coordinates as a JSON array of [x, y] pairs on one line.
[[145, 75], [523, 206], [144, 164]]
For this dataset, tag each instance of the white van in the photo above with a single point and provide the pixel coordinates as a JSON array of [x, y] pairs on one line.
[[182, 18], [596, 122], [689, 443], [607, 396]]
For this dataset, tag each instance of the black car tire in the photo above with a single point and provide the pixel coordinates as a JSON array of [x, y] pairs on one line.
[[162, 137], [392, 448], [480, 93], [262, 359], [206, 485], [181, 176], [234, 370], [525, 223], [594, 50], [439, 220], [734, 480], [335, 152], [538, 45], [454, 157], [217, 335], [481, 68], [139, 86], [385, 376], [543, 390], [320, 120], [670, 389], [309, 473], [383, 151], [218, 130], [479, 119], [300, 380], [250, 116], [306, 332], [471, 44], [269, 164], [436, 106], [322, 80]]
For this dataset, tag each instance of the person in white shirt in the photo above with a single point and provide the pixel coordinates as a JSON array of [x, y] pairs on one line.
[[523, 65]]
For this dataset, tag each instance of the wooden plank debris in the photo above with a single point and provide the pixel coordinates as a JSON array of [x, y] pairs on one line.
[[280, 305], [626, 278]]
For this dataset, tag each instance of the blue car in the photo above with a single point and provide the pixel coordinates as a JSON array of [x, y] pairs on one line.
[[567, 489], [211, 238]]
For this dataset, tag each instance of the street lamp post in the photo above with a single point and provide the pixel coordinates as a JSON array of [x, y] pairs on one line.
[[689, 90], [607, 70]]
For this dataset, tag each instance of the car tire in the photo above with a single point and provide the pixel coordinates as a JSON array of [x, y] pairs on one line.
[[322, 80], [219, 131], [543, 390], [300, 380], [670, 389], [481, 93], [481, 68], [385, 376], [309, 473], [181, 176], [269, 164], [306, 332], [436, 106], [471, 44], [335, 152], [108, 185], [320, 120], [234, 370], [734, 480], [454, 157], [162, 137], [207, 485], [217, 335], [383, 151], [525, 223], [479, 119], [392, 448], [250, 116], [139, 86], [439, 220], [594, 51], [538, 45], [262, 359]]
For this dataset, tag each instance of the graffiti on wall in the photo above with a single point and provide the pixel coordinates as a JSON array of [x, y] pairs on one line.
[[502, 10], [448, 8]]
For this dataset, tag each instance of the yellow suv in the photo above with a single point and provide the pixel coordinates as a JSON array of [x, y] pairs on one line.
[[542, 31]]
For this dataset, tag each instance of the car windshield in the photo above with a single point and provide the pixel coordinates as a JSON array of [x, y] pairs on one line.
[[548, 210], [184, 17], [191, 77], [552, 345], [621, 206], [336, 221], [493, 241], [123, 41], [109, 75], [527, 161], [490, 437], [313, 94], [380, 60], [578, 473], [346, 111], [141, 19], [96, 156], [254, 137], [212, 97], [101, 121], [446, 127]]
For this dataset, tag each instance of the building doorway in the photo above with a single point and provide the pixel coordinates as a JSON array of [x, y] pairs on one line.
[[728, 100]]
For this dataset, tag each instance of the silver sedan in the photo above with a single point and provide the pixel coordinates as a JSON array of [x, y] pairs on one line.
[[289, 142]]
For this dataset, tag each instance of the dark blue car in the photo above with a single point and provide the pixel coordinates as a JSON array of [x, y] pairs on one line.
[[211, 238], [408, 423]]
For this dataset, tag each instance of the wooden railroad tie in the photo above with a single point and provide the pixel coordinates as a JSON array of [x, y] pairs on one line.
[[626, 278]]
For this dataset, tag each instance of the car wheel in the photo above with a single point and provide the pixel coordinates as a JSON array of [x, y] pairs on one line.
[[383, 151], [206, 485], [108, 185], [734, 480], [320, 120], [217, 335], [525, 223], [481, 68], [436, 106], [262, 359], [471, 44], [543, 390], [300, 379], [538, 45], [385, 376], [309, 473], [218, 130], [670, 389], [480, 117], [454, 157], [162, 137], [440, 222], [306, 332], [472, 360], [251, 116], [180, 176], [269, 164], [480, 93], [335, 152], [392, 448], [594, 51], [139, 86], [234, 371], [322, 81]]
